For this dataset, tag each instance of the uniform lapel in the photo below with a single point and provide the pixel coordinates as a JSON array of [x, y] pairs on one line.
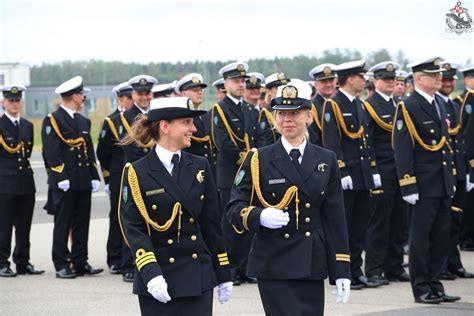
[[310, 162], [67, 120], [427, 107]]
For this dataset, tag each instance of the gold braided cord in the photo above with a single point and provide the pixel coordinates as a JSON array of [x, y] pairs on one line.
[[455, 130], [233, 137], [288, 196], [314, 110], [137, 197], [112, 128], [201, 139], [385, 126], [130, 133], [245, 215], [412, 130], [11, 150], [270, 119], [77, 142], [342, 123], [462, 106]]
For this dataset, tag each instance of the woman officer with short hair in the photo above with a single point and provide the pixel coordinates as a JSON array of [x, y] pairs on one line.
[[169, 217], [290, 195]]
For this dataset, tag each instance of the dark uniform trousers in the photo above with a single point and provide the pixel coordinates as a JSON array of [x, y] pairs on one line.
[[460, 169], [425, 166], [189, 252], [75, 163], [291, 262], [123, 121], [345, 131], [465, 104], [241, 120], [387, 219], [17, 190], [111, 158]]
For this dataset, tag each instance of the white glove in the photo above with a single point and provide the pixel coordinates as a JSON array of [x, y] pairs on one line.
[[95, 185], [469, 184], [343, 290], [412, 198], [107, 189], [64, 185], [274, 218], [377, 180], [158, 288], [347, 183], [223, 292]]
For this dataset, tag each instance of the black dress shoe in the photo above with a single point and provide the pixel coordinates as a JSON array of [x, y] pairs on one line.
[[237, 280], [65, 273], [114, 269], [448, 298], [379, 279], [28, 269], [428, 298], [365, 282], [249, 280], [356, 286], [128, 277], [6, 272], [448, 276], [463, 274], [402, 277], [87, 270], [468, 246]]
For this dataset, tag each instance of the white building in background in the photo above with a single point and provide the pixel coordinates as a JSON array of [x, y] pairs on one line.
[[14, 73]]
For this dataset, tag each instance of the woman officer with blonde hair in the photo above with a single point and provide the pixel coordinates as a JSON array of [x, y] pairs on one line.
[[169, 217], [290, 195]]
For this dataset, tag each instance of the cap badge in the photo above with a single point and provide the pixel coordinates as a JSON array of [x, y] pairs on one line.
[[289, 92], [240, 67], [142, 82], [389, 68], [253, 80], [447, 66], [327, 70], [280, 76], [14, 90], [190, 103], [436, 62], [195, 80]]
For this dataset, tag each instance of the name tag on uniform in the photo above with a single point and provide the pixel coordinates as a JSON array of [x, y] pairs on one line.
[[427, 122], [276, 181], [235, 120], [346, 114], [385, 116], [154, 192], [84, 132]]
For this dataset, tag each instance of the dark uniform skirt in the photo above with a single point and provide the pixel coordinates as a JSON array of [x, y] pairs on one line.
[[292, 297], [193, 305]]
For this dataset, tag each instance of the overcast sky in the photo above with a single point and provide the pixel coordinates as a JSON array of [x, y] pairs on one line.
[[144, 31]]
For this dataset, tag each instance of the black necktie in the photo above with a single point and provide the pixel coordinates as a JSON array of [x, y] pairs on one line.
[[175, 171], [295, 154], [15, 123], [435, 104]]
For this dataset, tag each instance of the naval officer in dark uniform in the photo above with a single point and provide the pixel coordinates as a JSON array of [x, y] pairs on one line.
[[192, 86], [110, 156], [69, 157], [454, 267], [17, 186], [141, 95], [289, 194], [425, 171], [387, 219], [170, 217], [234, 131], [345, 131], [324, 77]]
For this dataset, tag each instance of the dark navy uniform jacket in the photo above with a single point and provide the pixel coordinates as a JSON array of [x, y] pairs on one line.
[[466, 102], [191, 261], [319, 244], [356, 157], [422, 167], [16, 144], [314, 129], [63, 160], [242, 121]]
